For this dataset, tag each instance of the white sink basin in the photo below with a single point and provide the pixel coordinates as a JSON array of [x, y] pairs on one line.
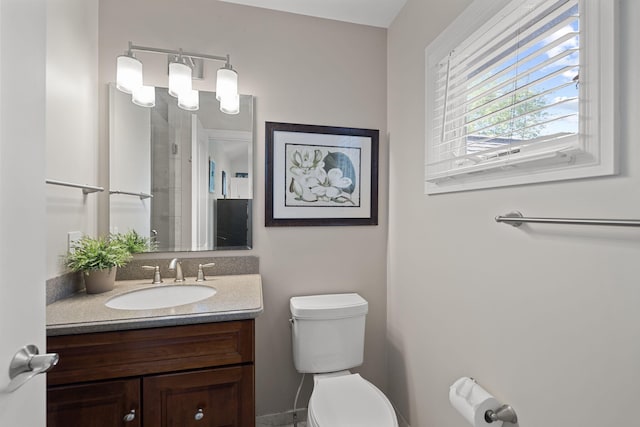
[[162, 296]]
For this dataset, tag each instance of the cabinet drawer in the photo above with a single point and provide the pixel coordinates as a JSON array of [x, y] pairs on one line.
[[220, 397], [106, 355], [105, 404]]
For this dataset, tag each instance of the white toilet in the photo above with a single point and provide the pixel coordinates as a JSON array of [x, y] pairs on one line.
[[328, 339]]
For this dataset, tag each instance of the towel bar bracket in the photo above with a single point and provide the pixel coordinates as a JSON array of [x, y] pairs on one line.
[[509, 218]]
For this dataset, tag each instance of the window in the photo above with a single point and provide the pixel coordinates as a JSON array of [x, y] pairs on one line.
[[520, 92]]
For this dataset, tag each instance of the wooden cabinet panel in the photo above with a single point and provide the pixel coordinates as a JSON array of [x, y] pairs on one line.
[[138, 352], [232, 225], [165, 374], [220, 397], [103, 404]]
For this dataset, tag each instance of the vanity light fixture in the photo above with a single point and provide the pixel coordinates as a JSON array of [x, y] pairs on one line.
[[190, 100], [227, 89], [129, 79], [227, 82], [230, 104], [180, 75], [144, 96], [129, 72]]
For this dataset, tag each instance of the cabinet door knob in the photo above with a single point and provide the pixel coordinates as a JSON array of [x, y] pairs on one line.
[[130, 416], [199, 415]]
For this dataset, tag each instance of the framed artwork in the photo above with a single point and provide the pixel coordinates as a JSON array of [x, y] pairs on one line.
[[320, 175], [212, 176], [224, 184]]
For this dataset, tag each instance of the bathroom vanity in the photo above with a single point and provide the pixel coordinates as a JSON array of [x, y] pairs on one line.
[[190, 365]]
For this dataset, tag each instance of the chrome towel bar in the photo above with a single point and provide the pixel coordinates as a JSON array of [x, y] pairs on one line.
[[516, 219], [129, 193], [86, 189]]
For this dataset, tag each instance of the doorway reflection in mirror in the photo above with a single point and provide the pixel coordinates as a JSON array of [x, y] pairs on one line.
[[180, 157]]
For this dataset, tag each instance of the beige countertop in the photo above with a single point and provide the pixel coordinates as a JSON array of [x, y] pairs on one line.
[[237, 297]]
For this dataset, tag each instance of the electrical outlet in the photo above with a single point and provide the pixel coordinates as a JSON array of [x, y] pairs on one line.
[[72, 238]]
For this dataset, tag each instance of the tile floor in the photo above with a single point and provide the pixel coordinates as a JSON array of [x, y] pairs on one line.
[[300, 424], [282, 420]]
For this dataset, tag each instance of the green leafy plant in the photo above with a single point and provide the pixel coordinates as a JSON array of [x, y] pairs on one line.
[[521, 112], [97, 254], [134, 242]]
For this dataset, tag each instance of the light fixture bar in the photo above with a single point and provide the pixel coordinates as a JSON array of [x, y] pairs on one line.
[[181, 66], [178, 52]]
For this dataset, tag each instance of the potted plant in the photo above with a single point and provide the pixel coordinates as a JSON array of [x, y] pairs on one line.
[[98, 260], [134, 242]]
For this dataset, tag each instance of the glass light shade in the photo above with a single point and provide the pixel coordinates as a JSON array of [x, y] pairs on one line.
[[226, 83], [128, 73], [189, 101], [144, 96], [179, 79], [230, 104]]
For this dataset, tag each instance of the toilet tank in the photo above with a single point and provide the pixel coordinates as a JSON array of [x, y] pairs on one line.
[[328, 332]]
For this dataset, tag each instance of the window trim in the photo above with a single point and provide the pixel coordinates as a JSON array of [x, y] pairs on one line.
[[598, 118]]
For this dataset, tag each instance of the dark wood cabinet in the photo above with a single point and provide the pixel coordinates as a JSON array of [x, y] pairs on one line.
[[100, 404], [200, 375], [233, 223], [209, 398]]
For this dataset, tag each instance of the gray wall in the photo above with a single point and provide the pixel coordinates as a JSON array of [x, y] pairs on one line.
[[545, 317], [301, 70], [71, 123]]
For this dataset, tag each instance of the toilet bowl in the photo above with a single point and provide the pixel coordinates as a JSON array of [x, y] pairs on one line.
[[328, 339], [348, 401]]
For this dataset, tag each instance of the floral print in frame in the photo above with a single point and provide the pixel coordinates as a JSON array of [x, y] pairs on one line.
[[320, 175]]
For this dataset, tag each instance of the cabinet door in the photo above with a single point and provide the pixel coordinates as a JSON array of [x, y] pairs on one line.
[[105, 404], [220, 397]]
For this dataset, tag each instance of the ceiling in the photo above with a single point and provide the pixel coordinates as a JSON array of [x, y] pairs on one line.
[[378, 13]]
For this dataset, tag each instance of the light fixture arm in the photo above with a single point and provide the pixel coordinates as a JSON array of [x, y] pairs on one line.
[[129, 52], [178, 52]]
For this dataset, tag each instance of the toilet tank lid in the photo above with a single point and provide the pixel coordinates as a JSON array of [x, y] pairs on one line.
[[331, 306]]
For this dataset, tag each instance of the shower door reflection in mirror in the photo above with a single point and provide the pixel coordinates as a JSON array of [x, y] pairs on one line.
[[166, 170]]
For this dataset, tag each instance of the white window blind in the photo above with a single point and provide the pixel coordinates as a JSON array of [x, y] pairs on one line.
[[509, 93], [520, 92]]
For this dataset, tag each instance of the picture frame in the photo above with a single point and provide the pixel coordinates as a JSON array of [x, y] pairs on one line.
[[212, 176], [224, 184], [320, 175]]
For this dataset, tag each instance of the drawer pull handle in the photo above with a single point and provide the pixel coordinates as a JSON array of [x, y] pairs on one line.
[[199, 415], [130, 416]]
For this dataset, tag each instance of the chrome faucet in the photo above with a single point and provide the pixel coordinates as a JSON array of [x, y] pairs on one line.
[[201, 268], [177, 266], [156, 273]]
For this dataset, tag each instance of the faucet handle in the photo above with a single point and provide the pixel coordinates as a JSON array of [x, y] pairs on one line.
[[201, 277], [156, 275]]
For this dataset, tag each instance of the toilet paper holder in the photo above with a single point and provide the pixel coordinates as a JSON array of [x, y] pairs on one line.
[[504, 413]]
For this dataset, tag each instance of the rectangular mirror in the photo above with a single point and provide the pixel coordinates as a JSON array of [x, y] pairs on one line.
[[183, 178]]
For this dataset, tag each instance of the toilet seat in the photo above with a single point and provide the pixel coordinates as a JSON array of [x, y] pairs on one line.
[[349, 401]]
